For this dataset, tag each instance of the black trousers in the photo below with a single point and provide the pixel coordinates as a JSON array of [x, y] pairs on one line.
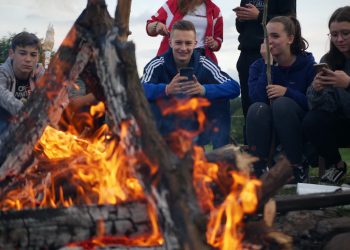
[[327, 132], [246, 58], [283, 117]]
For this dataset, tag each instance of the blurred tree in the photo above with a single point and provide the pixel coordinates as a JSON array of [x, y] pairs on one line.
[[5, 44]]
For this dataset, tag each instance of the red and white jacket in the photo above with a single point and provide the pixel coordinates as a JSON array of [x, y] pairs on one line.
[[169, 14]]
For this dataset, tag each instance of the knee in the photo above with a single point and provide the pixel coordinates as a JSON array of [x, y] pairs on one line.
[[282, 106], [258, 110]]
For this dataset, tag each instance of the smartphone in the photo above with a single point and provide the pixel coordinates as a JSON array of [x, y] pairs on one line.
[[320, 66], [237, 8], [187, 71]]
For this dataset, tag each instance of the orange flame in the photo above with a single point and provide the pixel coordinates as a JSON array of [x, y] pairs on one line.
[[224, 229], [181, 140], [102, 171], [76, 171]]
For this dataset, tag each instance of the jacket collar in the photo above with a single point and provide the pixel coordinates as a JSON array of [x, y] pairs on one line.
[[170, 64]]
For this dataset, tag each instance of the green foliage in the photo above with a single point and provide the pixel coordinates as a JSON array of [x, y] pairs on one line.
[[5, 44]]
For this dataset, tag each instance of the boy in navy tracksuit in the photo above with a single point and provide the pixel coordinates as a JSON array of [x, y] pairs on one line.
[[161, 81]]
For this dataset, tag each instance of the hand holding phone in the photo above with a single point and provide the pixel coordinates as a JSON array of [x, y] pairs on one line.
[[236, 9], [320, 66], [188, 72]]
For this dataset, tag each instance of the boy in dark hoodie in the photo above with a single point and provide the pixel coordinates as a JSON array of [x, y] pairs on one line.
[[18, 74]]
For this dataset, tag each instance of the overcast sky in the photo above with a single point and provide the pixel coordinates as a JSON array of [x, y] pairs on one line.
[[35, 16]]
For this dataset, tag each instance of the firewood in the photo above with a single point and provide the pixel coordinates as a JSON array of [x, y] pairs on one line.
[[312, 201], [54, 228]]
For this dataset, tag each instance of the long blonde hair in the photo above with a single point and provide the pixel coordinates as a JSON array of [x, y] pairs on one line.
[[188, 5]]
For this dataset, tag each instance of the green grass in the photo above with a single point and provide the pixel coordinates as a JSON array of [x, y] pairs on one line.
[[345, 154]]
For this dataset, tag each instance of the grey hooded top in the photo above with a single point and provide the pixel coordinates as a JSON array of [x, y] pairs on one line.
[[331, 99], [8, 85]]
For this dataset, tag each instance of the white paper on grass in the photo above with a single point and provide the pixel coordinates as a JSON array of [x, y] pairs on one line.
[[306, 188]]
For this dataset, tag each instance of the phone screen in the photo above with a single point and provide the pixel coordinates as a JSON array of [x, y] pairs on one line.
[[187, 71]]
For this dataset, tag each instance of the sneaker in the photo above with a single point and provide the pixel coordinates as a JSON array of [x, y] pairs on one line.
[[301, 173], [334, 174]]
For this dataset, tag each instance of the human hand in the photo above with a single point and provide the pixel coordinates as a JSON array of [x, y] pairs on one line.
[[211, 43], [274, 90], [248, 12], [174, 87], [263, 53], [338, 78], [317, 84], [192, 88], [161, 29]]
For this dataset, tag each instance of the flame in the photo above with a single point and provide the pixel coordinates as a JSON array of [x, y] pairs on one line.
[[224, 228], [101, 170], [192, 109], [77, 171]]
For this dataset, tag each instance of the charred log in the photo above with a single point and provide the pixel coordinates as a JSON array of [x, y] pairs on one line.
[[312, 201], [55, 228]]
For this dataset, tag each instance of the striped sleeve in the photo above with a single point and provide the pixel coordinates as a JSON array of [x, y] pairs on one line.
[[219, 84], [150, 80]]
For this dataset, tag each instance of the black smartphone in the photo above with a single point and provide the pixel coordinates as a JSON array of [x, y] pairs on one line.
[[236, 9], [187, 71], [320, 66]]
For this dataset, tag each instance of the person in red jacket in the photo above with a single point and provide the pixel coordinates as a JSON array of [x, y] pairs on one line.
[[205, 16]]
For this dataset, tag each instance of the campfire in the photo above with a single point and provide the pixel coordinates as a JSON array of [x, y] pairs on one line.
[[123, 184]]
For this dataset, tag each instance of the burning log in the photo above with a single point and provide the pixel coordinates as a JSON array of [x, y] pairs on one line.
[[272, 181], [116, 71], [54, 228], [98, 52], [44, 106]]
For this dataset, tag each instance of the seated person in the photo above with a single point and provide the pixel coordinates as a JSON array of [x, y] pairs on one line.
[[327, 124], [162, 81], [280, 107], [18, 74]]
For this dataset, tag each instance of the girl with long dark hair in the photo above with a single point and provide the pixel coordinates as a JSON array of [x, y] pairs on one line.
[[327, 124]]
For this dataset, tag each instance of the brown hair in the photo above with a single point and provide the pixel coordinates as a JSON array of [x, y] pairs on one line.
[[334, 58], [183, 25], [292, 28], [188, 5], [25, 39]]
